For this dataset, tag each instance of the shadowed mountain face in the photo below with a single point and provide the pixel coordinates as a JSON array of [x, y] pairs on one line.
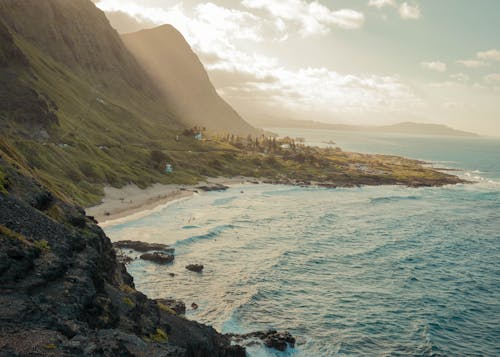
[[170, 61], [76, 34]]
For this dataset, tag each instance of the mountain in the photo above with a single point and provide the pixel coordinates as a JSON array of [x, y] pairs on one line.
[[84, 112], [422, 129], [401, 128], [178, 72]]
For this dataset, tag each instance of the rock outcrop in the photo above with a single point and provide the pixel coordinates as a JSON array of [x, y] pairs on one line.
[[142, 246], [158, 257], [63, 292], [198, 268], [272, 339]]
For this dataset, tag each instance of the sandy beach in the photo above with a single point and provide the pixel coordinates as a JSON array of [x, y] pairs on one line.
[[131, 201]]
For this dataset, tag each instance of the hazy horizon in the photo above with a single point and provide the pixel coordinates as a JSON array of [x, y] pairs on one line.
[[364, 62]]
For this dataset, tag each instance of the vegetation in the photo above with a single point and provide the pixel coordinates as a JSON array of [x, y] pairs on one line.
[[6, 232], [165, 308], [43, 245], [94, 130], [128, 301], [127, 289], [159, 337], [3, 182]]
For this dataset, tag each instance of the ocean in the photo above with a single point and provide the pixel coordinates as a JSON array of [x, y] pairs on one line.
[[370, 271]]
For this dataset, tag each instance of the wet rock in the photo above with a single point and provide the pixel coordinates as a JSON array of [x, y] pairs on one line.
[[279, 340], [123, 258], [158, 257], [194, 306], [272, 339], [215, 187], [177, 305], [198, 268], [142, 246]]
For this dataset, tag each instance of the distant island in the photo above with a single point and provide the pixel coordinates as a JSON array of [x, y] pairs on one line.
[[402, 128]]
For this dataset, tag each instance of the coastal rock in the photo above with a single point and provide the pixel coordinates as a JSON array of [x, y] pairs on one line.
[[198, 268], [158, 257], [272, 339], [177, 305], [279, 340], [194, 306], [63, 292], [214, 187], [143, 246], [123, 258]]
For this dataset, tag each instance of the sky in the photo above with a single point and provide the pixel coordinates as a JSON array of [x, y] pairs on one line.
[[366, 62]]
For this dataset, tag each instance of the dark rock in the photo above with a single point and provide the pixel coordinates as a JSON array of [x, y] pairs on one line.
[[194, 306], [177, 305], [64, 293], [215, 187], [279, 340], [198, 268], [77, 221], [123, 258], [271, 339], [158, 257], [171, 274], [142, 246]]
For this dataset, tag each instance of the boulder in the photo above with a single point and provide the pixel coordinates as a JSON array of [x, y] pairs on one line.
[[177, 305], [272, 339], [158, 257], [214, 187], [279, 340], [142, 246], [198, 268]]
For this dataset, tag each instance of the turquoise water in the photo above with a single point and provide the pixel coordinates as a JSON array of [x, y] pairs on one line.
[[373, 271]]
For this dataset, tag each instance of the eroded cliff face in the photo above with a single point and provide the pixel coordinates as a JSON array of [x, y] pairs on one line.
[[62, 291]]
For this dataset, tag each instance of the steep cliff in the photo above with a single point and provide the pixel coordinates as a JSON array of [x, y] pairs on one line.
[[169, 59], [62, 291]]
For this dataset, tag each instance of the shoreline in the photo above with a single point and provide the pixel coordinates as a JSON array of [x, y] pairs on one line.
[[131, 202]]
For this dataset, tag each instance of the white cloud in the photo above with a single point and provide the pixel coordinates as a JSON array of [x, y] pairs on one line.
[[492, 78], [459, 77], [434, 66], [213, 32], [472, 63], [491, 55], [381, 3], [312, 17], [409, 11]]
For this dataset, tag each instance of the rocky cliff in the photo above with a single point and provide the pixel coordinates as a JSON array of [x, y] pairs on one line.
[[62, 291], [178, 72]]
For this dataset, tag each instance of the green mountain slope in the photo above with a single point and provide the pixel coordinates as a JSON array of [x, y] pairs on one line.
[[169, 59], [83, 113], [78, 106]]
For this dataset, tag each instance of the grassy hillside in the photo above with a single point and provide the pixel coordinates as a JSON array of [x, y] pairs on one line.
[[82, 120]]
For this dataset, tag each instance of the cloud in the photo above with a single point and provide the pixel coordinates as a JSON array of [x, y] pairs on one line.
[[472, 63], [434, 66], [492, 78], [409, 11], [312, 17], [491, 55], [459, 77], [381, 3], [255, 80]]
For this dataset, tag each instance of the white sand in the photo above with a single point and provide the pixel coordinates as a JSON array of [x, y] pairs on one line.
[[131, 202]]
